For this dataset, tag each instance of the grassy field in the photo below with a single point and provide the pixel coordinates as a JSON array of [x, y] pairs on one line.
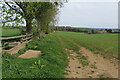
[[53, 61], [102, 42], [6, 32]]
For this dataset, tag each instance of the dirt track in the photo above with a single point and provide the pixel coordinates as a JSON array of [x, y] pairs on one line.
[[98, 66]]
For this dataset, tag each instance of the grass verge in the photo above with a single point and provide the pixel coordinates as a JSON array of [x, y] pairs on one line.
[[51, 64]]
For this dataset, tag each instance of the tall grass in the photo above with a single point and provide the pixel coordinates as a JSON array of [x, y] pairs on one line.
[[51, 64]]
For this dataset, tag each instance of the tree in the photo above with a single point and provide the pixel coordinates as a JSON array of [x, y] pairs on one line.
[[28, 11], [47, 17], [18, 9], [109, 30]]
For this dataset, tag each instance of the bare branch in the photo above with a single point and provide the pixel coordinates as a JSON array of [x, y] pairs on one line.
[[20, 5], [17, 11]]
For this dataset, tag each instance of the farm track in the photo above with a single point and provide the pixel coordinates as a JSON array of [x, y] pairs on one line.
[[98, 67]]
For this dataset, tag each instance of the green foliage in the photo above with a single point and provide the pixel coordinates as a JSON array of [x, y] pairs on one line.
[[43, 12], [72, 29], [79, 53], [7, 56], [46, 18], [51, 64], [109, 30], [34, 45], [83, 57], [84, 63], [22, 51]]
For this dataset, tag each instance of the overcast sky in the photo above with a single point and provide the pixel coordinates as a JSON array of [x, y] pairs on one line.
[[90, 13]]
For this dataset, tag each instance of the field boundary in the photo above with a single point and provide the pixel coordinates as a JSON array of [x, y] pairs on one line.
[[23, 38], [15, 37]]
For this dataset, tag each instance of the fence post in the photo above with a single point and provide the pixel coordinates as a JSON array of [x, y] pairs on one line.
[[26, 37], [21, 40]]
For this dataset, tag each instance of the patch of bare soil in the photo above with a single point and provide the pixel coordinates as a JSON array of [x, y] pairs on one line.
[[15, 49], [30, 54], [89, 65]]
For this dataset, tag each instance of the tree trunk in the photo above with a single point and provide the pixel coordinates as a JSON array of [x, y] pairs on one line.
[[28, 26]]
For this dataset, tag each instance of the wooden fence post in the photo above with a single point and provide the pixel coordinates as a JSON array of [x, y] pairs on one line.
[[21, 40], [26, 37]]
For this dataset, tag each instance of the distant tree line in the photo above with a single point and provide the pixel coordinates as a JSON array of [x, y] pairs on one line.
[[86, 30], [72, 29]]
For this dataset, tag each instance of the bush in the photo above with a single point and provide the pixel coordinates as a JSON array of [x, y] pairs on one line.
[[109, 30], [22, 51]]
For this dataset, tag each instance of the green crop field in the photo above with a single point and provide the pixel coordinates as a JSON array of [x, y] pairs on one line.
[[53, 61], [6, 32], [102, 42]]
